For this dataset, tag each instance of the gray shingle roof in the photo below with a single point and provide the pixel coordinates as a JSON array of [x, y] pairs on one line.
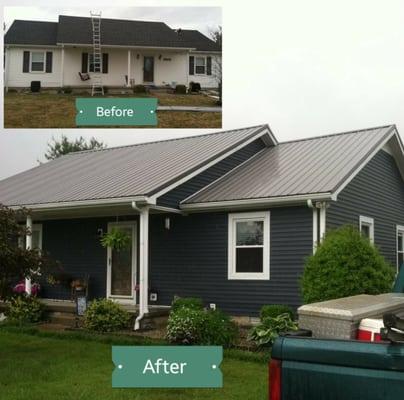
[[115, 32], [193, 38], [129, 171], [313, 165], [32, 32]]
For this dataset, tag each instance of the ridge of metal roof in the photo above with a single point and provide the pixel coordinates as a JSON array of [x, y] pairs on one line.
[[278, 170]]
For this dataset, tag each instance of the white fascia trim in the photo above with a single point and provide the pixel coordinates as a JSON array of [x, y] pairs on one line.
[[84, 203], [115, 46], [359, 168], [264, 216], [248, 203], [40, 46], [167, 209], [261, 133], [206, 52]]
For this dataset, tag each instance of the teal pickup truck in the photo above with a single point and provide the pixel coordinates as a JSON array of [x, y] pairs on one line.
[[304, 368]]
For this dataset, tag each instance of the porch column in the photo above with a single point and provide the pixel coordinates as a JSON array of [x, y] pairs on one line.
[[144, 261], [6, 67], [62, 67], [28, 245], [129, 59], [323, 208]]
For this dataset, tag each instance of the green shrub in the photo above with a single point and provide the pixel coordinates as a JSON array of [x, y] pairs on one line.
[[139, 89], [194, 303], [270, 328], [180, 89], [67, 90], [25, 309], [194, 87], [104, 315], [273, 310], [345, 264], [201, 327]]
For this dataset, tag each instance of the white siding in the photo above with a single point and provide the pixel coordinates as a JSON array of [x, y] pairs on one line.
[[208, 81], [17, 78]]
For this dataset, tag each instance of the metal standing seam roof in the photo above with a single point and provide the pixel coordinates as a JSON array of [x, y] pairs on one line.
[[308, 166], [114, 32], [120, 172]]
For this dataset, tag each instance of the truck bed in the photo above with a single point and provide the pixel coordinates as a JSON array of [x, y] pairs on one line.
[[339, 369]]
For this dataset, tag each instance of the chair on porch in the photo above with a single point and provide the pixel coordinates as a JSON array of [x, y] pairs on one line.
[[78, 283], [84, 76], [131, 82]]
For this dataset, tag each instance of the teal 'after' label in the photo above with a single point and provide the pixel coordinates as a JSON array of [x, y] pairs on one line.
[[116, 111], [167, 366]]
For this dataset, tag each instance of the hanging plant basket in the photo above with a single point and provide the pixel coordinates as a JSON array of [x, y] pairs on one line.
[[116, 239]]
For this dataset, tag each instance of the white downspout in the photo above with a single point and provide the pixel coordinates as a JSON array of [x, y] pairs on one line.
[[143, 262], [28, 246]]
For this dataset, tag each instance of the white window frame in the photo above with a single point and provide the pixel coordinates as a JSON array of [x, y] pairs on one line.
[[205, 65], [399, 229], [232, 221], [371, 224], [35, 227], [30, 62]]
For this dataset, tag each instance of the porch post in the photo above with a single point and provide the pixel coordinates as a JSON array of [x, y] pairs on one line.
[[28, 246], [129, 56], [144, 261], [62, 67], [323, 208]]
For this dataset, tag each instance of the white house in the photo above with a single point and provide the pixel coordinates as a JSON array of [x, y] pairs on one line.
[[60, 54]]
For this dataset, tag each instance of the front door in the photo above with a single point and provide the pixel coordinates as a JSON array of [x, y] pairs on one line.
[[121, 276], [148, 69]]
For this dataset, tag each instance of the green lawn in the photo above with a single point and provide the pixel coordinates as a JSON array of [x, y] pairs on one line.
[[40, 366], [45, 110]]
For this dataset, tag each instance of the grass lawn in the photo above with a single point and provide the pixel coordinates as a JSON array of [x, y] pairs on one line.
[[60, 366], [43, 110]]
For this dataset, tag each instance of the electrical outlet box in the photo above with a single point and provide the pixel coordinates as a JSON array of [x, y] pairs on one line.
[[212, 306], [153, 296]]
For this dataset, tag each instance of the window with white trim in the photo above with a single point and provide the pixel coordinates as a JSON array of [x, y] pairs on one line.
[[200, 65], [248, 253], [37, 61], [36, 238], [400, 246], [367, 228]]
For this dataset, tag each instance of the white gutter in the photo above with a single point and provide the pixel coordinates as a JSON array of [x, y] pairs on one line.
[[82, 203], [261, 202], [127, 47]]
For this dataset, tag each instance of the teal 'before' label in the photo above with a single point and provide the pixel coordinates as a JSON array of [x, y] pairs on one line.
[[167, 366], [116, 111]]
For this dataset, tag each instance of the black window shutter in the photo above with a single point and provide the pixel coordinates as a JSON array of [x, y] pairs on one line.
[[105, 63], [208, 65], [49, 57], [25, 62], [191, 65], [84, 63]]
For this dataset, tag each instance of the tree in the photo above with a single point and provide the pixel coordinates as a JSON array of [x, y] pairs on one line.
[[17, 262], [57, 148], [345, 264], [216, 36]]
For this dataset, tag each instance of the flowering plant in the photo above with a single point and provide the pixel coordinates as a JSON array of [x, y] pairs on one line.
[[19, 288]]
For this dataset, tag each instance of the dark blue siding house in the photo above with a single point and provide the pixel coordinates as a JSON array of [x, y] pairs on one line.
[[229, 217]]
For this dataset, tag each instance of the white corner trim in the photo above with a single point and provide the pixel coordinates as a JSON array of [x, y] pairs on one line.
[[231, 260], [370, 223]]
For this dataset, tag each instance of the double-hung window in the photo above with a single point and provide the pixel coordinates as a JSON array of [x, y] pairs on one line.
[[248, 238], [367, 228], [37, 61], [400, 246], [200, 65]]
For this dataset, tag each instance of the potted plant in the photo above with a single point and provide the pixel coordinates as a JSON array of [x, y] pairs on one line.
[[116, 239]]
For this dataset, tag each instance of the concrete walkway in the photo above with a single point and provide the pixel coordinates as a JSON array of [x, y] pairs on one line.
[[189, 108]]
